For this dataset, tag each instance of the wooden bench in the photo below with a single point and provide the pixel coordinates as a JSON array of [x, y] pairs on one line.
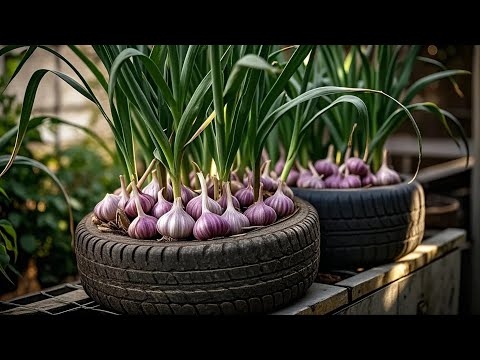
[[426, 281]]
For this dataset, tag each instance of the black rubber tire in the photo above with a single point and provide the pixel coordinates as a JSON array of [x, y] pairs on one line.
[[261, 271], [367, 227]]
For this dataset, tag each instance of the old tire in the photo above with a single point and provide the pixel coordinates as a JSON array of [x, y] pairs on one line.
[[367, 227], [260, 271]]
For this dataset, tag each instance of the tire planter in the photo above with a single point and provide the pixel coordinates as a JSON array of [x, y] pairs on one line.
[[260, 271], [367, 227]]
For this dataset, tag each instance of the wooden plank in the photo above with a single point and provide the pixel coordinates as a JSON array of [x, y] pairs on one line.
[[433, 290], [48, 304], [445, 169], [441, 281], [320, 299], [382, 302], [429, 250]]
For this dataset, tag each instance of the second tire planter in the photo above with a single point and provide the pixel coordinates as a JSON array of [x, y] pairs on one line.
[[368, 226], [260, 271]]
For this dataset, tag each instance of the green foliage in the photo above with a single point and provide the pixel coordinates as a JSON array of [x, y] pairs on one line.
[[386, 68], [34, 205]]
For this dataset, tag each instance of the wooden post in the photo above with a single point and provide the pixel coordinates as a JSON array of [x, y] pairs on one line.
[[475, 183]]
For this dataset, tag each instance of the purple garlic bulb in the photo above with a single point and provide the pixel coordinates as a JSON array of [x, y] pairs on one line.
[[144, 226], [162, 206], [106, 210], [369, 179], [245, 196], [292, 177], [235, 219], [333, 181], [153, 187], [260, 214], [385, 175], [357, 166], [350, 181], [176, 224], [187, 194], [209, 225], [194, 207], [146, 201], [315, 181], [224, 198], [327, 166], [280, 202]]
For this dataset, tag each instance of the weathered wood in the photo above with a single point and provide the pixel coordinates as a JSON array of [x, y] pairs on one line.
[[49, 304], [382, 302], [433, 290], [429, 250], [320, 299]]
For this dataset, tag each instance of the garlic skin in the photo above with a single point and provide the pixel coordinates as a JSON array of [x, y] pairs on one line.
[[303, 180], [146, 201], [260, 214], [279, 166], [194, 207], [187, 194], [281, 203], [236, 186], [327, 166], [369, 179], [106, 210], [292, 177], [245, 196], [124, 197], [287, 191], [315, 181], [235, 219], [357, 166], [333, 181], [176, 223], [153, 187], [385, 175], [208, 225], [144, 226], [350, 181], [223, 201], [162, 206]]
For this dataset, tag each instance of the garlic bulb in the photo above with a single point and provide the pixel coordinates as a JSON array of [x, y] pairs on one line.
[[245, 196], [350, 181], [333, 181], [209, 225], [385, 175], [259, 213], [153, 187], [327, 166], [176, 224], [292, 177], [369, 179], [315, 181], [106, 209], [146, 201], [144, 226], [235, 219], [356, 166], [281, 203], [194, 206], [187, 194], [224, 198], [162, 206]]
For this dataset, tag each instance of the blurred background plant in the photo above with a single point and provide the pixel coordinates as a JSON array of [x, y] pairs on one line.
[[35, 207], [389, 68]]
